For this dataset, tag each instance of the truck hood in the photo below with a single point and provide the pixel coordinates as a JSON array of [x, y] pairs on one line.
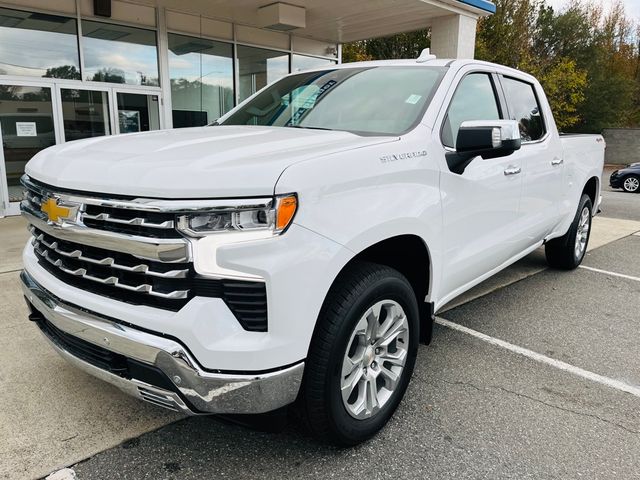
[[202, 162]]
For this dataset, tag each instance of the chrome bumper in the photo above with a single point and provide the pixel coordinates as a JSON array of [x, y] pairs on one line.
[[197, 391]]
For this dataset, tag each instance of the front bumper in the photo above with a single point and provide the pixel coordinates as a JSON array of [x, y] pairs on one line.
[[615, 180], [185, 387]]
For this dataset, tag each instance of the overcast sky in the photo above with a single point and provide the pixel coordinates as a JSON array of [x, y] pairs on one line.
[[632, 6]]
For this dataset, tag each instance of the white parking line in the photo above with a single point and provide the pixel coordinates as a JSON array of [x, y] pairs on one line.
[[614, 274], [525, 352]]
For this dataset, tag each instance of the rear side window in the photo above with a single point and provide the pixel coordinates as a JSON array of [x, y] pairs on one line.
[[475, 99], [525, 108]]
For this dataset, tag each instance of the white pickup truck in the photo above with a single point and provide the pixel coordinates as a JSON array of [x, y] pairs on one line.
[[296, 250]]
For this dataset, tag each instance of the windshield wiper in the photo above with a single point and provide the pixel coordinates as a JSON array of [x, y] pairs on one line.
[[309, 128]]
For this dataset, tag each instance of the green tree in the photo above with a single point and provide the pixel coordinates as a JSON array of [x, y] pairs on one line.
[[402, 45], [587, 59], [66, 71], [505, 37], [113, 75], [565, 86]]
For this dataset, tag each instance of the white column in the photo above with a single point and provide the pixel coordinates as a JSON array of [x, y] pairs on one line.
[[453, 36], [166, 113]]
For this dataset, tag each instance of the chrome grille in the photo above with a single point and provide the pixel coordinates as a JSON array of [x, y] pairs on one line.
[[103, 217], [118, 275], [77, 253], [106, 249], [135, 221]]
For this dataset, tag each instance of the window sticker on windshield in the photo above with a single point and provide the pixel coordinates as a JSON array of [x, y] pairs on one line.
[[308, 105], [413, 99]]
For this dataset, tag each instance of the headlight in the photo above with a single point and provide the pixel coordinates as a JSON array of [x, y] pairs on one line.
[[270, 218]]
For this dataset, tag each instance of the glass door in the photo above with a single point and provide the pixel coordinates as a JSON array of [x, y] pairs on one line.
[[34, 116], [85, 113], [137, 112], [27, 125]]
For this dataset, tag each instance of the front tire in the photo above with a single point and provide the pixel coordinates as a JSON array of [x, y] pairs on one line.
[[631, 184], [567, 252], [361, 355]]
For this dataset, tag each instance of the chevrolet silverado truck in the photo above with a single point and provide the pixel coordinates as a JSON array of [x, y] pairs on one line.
[[295, 251]]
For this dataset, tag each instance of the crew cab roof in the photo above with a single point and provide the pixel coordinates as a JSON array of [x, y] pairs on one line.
[[438, 62]]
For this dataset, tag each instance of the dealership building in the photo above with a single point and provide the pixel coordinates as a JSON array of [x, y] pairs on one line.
[[72, 69]]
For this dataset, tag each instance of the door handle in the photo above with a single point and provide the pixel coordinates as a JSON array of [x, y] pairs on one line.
[[512, 170], [557, 161]]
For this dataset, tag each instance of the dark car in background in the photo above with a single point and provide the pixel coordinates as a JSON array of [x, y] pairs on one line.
[[627, 178]]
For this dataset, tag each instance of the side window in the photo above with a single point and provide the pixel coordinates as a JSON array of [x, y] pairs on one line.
[[475, 99], [524, 107]]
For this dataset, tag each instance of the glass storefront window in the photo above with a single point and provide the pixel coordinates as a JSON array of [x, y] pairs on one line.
[[119, 54], [259, 67], [26, 123], [35, 44], [302, 62], [201, 73]]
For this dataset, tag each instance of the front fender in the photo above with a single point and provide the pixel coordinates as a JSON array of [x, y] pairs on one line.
[[359, 198]]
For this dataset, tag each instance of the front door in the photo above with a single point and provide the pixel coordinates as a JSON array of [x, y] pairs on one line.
[[26, 126], [480, 207]]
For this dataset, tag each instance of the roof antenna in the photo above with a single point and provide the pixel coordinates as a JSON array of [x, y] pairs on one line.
[[425, 56]]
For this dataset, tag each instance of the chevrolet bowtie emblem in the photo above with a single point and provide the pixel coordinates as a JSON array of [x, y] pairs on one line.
[[55, 212]]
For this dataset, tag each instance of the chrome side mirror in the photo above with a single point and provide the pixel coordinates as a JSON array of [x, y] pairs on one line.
[[486, 139]]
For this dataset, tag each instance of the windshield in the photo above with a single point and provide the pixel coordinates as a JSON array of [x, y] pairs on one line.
[[368, 100]]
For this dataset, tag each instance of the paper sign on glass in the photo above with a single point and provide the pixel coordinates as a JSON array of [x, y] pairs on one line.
[[26, 129]]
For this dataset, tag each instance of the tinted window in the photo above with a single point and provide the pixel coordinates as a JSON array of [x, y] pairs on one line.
[[119, 54], [524, 107], [201, 80], [380, 100], [40, 45], [474, 99]]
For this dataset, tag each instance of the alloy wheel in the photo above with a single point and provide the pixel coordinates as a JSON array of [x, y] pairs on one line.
[[631, 184], [582, 234], [375, 358]]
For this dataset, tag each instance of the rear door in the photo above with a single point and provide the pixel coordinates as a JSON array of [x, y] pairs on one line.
[[480, 206], [541, 159]]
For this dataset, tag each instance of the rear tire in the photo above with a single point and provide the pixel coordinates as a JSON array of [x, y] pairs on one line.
[[355, 377], [631, 184], [567, 252]]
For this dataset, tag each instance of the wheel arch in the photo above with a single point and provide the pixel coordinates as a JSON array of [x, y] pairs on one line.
[[410, 255], [591, 189]]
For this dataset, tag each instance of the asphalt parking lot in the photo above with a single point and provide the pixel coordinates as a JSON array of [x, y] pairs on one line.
[[534, 374]]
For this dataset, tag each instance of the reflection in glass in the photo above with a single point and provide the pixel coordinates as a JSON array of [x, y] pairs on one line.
[[259, 67], [302, 62], [474, 99], [26, 119], [35, 44], [85, 113], [524, 108], [119, 54], [137, 112], [340, 99], [201, 74]]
